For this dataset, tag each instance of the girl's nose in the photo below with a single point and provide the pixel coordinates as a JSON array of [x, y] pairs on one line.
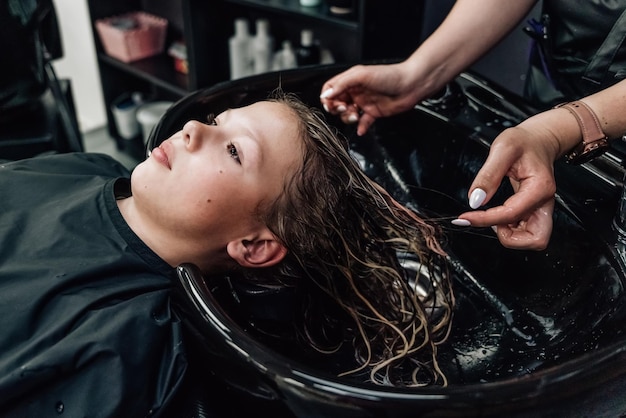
[[192, 134]]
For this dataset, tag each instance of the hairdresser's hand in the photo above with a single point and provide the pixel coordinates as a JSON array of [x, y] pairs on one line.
[[525, 154], [366, 92]]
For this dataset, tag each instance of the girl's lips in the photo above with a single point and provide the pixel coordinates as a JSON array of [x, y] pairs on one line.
[[160, 155]]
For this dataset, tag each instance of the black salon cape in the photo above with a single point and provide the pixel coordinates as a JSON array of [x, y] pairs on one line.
[[86, 328]]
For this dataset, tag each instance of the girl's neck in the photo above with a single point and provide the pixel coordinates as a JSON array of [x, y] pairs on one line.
[[172, 248]]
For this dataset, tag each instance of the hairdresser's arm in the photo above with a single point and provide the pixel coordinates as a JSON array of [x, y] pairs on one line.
[[526, 154], [471, 28]]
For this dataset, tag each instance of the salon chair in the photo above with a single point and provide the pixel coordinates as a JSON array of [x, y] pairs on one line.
[[37, 113], [535, 334]]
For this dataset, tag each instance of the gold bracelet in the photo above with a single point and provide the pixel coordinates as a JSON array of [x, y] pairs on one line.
[[595, 142]]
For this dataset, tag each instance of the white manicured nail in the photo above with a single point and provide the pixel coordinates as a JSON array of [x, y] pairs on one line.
[[477, 198], [353, 118], [325, 107], [341, 108], [326, 93], [461, 222]]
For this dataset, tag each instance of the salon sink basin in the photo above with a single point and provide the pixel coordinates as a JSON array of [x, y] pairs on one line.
[[517, 311], [535, 334]]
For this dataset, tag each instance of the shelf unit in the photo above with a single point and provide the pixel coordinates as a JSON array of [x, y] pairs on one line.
[[376, 31]]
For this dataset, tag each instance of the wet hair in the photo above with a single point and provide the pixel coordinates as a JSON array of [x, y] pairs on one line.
[[348, 243]]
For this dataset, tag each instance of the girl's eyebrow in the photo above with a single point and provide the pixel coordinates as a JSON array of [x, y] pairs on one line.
[[224, 114]]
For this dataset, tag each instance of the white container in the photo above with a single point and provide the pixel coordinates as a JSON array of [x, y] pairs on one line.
[[124, 110], [149, 114], [310, 3], [263, 47], [285, 59], [239, 48]]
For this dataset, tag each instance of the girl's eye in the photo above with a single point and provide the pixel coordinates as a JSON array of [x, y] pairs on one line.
[[232, 150], [211, 120]]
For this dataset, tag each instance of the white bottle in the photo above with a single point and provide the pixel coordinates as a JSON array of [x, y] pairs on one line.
[[310, 3], [263, 47], [285, 59], [289, 56], [239, 50]]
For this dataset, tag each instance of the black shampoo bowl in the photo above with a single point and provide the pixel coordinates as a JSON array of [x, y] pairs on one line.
[[535, 334]]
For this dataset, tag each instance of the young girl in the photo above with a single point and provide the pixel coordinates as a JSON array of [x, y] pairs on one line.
[[89, 254]]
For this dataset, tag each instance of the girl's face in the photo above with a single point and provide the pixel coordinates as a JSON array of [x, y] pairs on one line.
[[206, 181]]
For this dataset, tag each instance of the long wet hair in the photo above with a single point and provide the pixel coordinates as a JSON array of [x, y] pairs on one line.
[[346, 239]]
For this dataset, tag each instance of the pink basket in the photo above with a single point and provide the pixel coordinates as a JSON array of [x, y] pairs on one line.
[[145, 38]]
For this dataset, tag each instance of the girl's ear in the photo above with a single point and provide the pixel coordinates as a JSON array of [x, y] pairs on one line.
[[262, 250]]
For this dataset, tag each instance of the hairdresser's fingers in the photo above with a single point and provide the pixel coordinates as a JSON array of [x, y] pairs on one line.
[[335, 86], [529, 170], [349, 117], [365, 121], [488, 179], [335, 106], [335, 101], [342, 106], [532, 233], [516, 228], [529, 195], [340, 93], [328, 92]]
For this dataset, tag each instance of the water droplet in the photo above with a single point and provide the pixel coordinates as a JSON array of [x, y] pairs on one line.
[[59, 407]]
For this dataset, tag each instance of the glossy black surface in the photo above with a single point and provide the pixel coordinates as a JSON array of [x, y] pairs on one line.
[[536, 334]]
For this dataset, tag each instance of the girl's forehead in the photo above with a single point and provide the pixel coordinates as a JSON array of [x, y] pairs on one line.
[[272, 107], [263, 115]]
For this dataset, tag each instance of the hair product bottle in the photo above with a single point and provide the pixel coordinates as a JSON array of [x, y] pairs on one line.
[[263, 47], [239, 50], [309, 51], [310, 3], [285, 59]]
